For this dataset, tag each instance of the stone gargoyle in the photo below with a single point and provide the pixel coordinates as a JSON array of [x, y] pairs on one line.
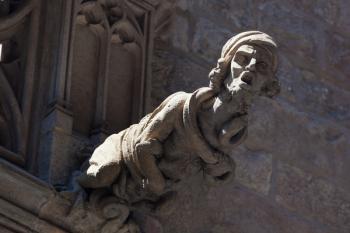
[[188, 132]]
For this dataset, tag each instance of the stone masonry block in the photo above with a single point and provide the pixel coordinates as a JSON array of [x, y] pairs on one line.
[[313, 197]]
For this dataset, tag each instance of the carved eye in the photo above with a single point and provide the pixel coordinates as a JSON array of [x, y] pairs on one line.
[[241, 59], [262, 66]]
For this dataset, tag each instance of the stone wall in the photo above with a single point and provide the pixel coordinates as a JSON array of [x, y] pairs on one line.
[[293, 171]]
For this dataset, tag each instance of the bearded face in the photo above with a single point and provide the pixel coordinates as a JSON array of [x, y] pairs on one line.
[[251, 71], [251, 74]]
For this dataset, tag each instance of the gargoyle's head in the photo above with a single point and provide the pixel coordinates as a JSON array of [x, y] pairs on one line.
[[246, 69], [248, 62]]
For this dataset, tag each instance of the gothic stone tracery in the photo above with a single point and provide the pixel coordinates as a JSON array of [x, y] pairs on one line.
[[116, 33], [18, 32]]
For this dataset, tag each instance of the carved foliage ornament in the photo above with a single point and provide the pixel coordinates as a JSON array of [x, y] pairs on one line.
[[188, 133]]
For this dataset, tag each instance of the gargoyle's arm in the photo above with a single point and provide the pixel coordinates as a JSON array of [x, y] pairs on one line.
[[108, 155], [163, 118], [162, 123]]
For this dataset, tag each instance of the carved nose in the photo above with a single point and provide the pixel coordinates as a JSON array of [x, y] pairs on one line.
[[251, 65]]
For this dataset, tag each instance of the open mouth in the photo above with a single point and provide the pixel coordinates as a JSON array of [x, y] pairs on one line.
[[234, 131], [238, 136], [247, 78]]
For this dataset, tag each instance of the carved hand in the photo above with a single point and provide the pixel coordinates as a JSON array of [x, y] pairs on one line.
[[145, 157]]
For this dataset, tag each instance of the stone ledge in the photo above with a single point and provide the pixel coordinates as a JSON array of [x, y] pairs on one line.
[[30, 194]]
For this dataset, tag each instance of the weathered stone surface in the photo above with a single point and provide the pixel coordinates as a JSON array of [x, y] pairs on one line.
[[186, 134], [294, 137], [234, 15], [180, 38], [307, 128], [186, 69], [341, 159], [206, 45], [149, 224], [166, 81], [248, 212], [306, 131], [313, 197], [253, 170], [303, 86]]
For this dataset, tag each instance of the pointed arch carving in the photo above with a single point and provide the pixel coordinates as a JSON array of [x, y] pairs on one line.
[[18, 33], [117, 58], [11, 121]]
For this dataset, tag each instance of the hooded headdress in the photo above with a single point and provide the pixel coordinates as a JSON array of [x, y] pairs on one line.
[[218, 74]]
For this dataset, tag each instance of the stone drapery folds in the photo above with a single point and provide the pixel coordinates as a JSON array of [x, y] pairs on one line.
[[187, 133]]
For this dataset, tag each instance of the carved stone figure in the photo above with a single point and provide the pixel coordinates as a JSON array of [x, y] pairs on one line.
[[189, 132]]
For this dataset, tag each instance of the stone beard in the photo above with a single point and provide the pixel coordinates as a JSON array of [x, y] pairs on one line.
[[189, 132]]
